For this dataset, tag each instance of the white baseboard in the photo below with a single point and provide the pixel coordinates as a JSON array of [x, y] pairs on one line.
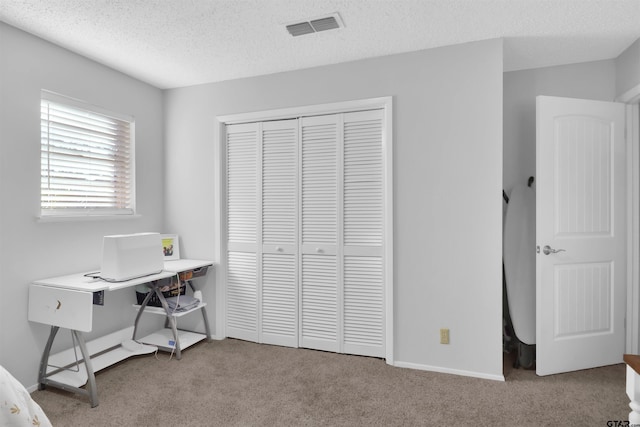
[[449, 371]]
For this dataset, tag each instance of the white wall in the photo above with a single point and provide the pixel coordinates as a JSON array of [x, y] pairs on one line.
[[447, 184], [33, 250]]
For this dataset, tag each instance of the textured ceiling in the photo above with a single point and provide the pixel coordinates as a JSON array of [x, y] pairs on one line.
[[174, 43]]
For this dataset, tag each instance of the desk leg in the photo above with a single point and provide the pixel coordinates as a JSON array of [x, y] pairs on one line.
[[172, 323], [44, 361], [92, 388], [140, 311], [206, 324], [204, 316], [174, 328]]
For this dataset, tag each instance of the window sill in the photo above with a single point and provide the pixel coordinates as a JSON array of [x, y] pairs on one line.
[[78, 218]]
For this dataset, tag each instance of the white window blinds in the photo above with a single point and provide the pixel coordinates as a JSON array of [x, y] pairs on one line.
[[86, 159]]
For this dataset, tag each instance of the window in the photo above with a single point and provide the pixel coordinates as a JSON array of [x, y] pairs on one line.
[[86, 159]]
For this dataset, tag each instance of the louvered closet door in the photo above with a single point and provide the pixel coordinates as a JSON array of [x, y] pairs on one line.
[[279, 293], [305, 232], [363, 221], [242, 230], [342, 286], [320, 296]]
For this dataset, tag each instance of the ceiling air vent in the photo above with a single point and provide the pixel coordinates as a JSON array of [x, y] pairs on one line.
[[323, 23]]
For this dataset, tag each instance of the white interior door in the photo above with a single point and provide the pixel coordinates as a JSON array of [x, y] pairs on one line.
[[581, 273]]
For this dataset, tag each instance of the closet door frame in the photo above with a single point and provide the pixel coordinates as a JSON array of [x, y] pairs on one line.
[[384, 103]]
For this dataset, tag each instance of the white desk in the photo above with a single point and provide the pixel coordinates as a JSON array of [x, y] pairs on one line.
[[67, 302]]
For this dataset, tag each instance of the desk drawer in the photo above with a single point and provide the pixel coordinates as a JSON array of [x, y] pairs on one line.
[[61, 307]]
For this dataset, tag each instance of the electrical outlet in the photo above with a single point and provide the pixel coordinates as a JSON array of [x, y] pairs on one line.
[[444, 336]]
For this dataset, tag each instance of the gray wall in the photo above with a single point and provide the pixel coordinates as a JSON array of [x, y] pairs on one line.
[[447, 184], [34, 250], [628, 68], [599, 80], [589, 80]]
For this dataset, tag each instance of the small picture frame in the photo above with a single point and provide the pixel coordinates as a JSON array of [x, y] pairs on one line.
[[170, 246]]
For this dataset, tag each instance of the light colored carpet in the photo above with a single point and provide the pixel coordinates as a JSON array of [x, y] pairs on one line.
[[237, 383]]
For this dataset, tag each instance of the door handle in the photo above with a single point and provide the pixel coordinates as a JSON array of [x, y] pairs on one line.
[[549, 250]]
